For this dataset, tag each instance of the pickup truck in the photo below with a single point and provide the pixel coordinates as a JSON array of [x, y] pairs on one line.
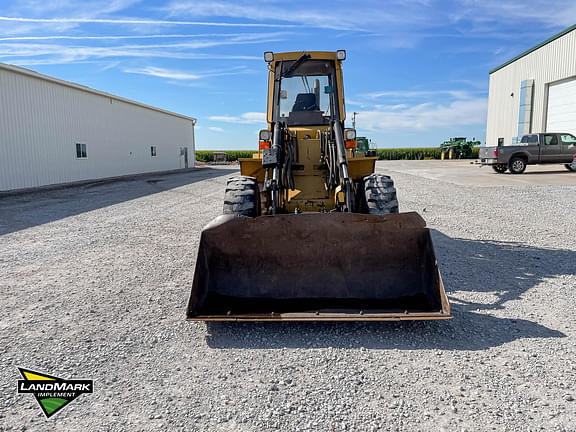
[[539, 148]]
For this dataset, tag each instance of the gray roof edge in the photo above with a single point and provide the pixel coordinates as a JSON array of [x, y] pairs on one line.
[[38, 75], [540, 45]]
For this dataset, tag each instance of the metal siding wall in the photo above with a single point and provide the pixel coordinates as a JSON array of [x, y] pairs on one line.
[[553, 62], [41, 121]]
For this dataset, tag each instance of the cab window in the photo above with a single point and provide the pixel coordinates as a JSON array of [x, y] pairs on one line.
[[305, 92], [551, 140], [568, 139], [529, 139]]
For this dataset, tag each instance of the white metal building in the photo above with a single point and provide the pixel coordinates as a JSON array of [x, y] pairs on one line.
[[534, 92], [54, 131]]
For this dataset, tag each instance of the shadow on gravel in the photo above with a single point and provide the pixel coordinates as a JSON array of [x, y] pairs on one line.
[[536, 173], [18, 212], [467, 331], [505, 270], [500, 270]]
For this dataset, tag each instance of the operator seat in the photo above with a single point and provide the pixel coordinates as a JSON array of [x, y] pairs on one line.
[[305, 102]]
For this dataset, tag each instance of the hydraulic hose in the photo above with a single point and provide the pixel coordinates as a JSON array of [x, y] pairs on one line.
[[344, 179], [287, 176]]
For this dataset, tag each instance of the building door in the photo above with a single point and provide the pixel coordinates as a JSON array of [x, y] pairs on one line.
[[184, 154], [561, 107]]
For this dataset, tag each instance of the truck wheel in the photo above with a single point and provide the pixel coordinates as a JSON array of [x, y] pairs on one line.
[[570, 167], [242, 197], [517, 165], [379, 195], [500, 169]]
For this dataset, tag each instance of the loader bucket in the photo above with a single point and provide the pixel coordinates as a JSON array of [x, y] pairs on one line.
[[315, 267]]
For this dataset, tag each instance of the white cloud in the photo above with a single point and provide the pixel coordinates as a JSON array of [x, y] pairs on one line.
[[425, 116], [185, 76], [552, 13], [79, 7], [164, 73], [46, 53], [248, 117], [64, 20], [419, 94], [119, 37], [216, 129], [84, 9], [339, 16]]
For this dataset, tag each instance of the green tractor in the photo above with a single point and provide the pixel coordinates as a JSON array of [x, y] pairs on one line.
[[457, 148], [364, 145]]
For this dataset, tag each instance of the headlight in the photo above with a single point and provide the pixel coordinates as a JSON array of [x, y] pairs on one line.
[[350, 134], [264, 135], [268, 56], [341, 54]]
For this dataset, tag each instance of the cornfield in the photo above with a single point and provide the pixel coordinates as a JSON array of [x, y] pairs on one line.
[[383, 154]]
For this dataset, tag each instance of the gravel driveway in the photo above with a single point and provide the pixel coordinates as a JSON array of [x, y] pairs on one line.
[[94, 282]]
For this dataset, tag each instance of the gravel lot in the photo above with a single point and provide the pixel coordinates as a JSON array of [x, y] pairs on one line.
[[94, 282]]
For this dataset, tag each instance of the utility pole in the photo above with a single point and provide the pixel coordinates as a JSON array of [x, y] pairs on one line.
[[354, 119]]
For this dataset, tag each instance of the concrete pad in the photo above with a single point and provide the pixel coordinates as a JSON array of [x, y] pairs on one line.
[[463, 172]]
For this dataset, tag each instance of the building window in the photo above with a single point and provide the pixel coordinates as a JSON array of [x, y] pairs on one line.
[[81, 151], [153, 151]]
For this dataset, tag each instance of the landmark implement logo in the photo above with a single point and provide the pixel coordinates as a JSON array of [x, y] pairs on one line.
[[52, 393]]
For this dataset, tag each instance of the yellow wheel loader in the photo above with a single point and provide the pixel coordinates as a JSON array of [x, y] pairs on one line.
[[309, 231]]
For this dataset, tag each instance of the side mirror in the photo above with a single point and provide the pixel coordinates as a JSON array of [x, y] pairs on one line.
[[283, 94]]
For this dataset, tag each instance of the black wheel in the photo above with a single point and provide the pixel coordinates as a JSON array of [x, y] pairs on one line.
[[570, 167], [379, 195], [517, 165], [500, 169], [242, 197]]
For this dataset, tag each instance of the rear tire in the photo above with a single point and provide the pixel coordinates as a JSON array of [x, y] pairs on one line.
[[379, 195], [570, 168], [517, 165], [500, 169], [242, 197]]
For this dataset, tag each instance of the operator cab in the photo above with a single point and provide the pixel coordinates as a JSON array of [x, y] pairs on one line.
[[305, 92]]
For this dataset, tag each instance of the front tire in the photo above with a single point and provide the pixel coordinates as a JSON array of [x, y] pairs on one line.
[[242, 197], [517, 165], [570, 167], [379, 195], [500, 169]]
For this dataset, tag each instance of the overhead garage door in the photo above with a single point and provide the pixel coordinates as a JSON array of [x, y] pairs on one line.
[[562, 107]]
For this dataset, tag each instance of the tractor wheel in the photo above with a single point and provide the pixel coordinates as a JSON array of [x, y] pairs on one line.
[[451, 154], [443, 155], [242, 197], [570, 167], [517, 165], [500, 169], [379, 195]]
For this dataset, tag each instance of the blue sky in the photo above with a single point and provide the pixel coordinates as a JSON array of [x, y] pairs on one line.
[[416, 72]]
